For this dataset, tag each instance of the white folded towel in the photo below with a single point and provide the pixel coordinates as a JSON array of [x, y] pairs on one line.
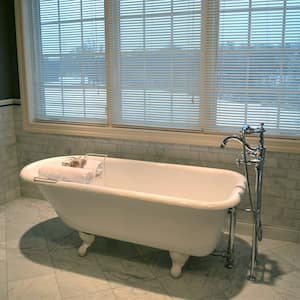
[[64, 173]]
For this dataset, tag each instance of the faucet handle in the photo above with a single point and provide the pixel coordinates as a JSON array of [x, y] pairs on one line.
[[247, 129], [252, 153]]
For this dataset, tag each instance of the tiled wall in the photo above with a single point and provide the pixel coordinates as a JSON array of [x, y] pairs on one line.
[[281, 179], [9, 179]]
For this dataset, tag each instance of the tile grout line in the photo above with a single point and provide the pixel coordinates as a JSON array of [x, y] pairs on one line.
[[105, 277], [156, 277], [48, 251], [139, 255], [32, 277]]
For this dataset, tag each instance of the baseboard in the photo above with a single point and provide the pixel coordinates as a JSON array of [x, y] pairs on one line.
[[9, 102], [270, 232]]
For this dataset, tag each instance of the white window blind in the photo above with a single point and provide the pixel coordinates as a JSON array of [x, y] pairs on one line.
[[68, 41], [199, 65], [258, 70], [158, 49]]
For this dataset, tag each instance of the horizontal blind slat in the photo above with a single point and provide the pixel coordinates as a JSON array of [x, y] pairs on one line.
[[258, 66], [69, 55], [161, 58], [159, 61]]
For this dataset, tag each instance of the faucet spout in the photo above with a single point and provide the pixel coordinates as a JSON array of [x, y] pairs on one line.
[[238, 138]]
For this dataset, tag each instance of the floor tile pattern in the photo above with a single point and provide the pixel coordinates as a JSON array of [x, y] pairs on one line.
[[39, 260]]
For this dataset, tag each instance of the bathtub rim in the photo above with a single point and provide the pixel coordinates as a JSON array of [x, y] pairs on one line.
[[231, 201]]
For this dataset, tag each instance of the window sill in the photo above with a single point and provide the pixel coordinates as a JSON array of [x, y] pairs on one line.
[[283, 145]]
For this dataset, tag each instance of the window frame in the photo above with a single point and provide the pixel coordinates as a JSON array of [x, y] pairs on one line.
[[160, 135]]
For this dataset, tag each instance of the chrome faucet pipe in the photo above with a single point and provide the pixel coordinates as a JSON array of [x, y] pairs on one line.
[[240, 139], [257, 155]]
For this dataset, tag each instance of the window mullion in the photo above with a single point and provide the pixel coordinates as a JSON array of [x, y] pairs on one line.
[[209, 52], [39, 94], [60, 55], [283, 38], [82, 75], [112, 42]]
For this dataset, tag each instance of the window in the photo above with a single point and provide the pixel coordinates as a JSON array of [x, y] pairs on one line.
[[159, 63], [207, 66], [259, 65], [68, 39]]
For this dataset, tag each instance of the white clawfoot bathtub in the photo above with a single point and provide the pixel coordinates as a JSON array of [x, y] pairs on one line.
[[172, 207]]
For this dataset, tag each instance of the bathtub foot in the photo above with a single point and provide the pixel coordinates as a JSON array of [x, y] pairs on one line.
[[87, 241], [178, 261]]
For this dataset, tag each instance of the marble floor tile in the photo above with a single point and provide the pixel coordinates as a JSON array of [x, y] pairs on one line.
[[42, 287], [121, 272], [39, 203], [22, 211], [39, 260], [100, 295], [2, 236], [3, 291], [158, 262], [46, 210], [69, 260], [77, 276], [59, 235], [31, 264], [2, 251], [72, 284], [3, 272], [69, 240], [289, 286], [268, 244], [149, 290], [257, 291], [2, 226], [290, 252], [189, 286], [13, 253], [206, 278], [270, 266], [25, 236], [47, 213]]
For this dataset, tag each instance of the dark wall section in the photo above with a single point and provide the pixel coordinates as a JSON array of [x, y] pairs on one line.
[[9, 82]]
